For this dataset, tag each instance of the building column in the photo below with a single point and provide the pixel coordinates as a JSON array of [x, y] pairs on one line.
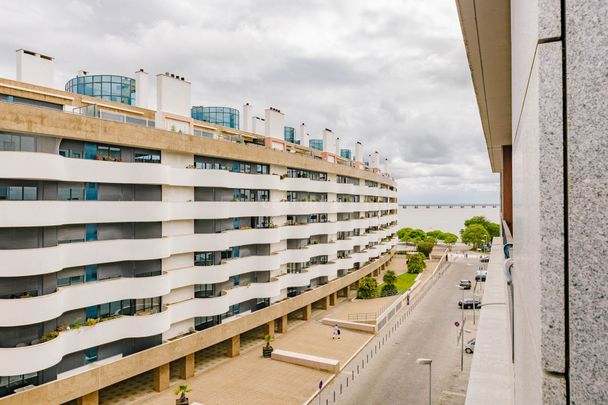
[[234, 346], [186, 366], [269, 328], [283, 324], [325, 302], [91, 398], [161, 378], [307, 312], [333, 298]]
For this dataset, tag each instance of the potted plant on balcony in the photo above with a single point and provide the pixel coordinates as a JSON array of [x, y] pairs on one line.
[[181, 390], [267, 350]]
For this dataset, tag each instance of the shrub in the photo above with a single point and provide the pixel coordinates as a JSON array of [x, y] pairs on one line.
[[367, 288], [416, 263], [49, 336], [388, 290], [426, 247], [389, 277], [91, 321]]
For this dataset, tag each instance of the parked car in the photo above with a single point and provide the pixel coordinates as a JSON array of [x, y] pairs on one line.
[[465, 284], [470, 346], [469, 303], [485, 259], [481, 275]]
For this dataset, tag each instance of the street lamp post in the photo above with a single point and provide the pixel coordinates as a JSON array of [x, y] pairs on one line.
[[428, 362]]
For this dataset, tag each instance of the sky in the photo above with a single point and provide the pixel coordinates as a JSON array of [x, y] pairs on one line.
[[390, 74]]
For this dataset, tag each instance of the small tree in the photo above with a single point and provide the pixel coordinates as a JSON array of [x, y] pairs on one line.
[[476, 235], [181, 390], [492, 227], [450, 238], [416, 264], [368, 288], [389, 288], [426, 246]]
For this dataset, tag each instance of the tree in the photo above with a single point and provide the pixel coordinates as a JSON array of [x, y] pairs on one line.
[[436, 234], [368, 288], [426, 247], [416, 264], [389, 288], [411, 235], [450, 238], [476, 235], [492, 227]]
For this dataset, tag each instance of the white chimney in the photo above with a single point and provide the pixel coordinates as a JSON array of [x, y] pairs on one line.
[[247, 116], [359, 152], [338, 146], [304, 137], [275, 123], [173, 94], [35, 68], [141, 88], [376, 160], [328, 141], [386, 165], [258, 125]]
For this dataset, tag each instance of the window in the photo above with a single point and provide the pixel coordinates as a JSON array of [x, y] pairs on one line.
[[204, 259], [17, 143], [70, 191], [18, 193], [146, 157], [292, 196], [262, 169], [204, 290], [149, 305], [90, 355], [261, 222], [108, 152], [67, 281]]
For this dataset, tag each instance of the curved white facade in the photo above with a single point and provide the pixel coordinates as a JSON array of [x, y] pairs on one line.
[[132, 240], [28, 359]]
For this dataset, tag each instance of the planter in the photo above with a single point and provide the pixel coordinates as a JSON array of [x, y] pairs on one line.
[[267, 351], [180, 401]]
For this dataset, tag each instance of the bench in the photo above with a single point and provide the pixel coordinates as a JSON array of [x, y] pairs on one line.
[[360, 326], [306, 360]]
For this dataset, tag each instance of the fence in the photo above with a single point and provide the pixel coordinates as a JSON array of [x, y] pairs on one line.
[[398, 313]]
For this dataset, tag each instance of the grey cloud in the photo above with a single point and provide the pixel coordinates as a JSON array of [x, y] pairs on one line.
[[390, 73]]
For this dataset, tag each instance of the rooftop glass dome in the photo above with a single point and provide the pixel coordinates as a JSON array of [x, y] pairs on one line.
[[225, 116], [106, 87]]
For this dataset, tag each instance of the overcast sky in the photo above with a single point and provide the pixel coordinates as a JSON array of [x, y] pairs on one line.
[[391, 74]]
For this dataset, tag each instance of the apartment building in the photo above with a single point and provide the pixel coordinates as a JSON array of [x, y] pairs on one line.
[[541, 80], [133, 237]]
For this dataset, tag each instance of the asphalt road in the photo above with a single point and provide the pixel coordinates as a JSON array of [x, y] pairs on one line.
[[392, 376]]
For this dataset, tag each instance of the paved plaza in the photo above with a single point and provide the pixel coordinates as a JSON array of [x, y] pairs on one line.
[[251, 379]]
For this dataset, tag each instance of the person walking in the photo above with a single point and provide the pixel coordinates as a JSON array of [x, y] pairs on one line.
[[336, 332]]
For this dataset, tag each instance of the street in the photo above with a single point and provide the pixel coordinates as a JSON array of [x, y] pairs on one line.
[[392, 376]]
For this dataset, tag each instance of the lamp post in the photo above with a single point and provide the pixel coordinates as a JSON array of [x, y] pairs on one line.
[[428, 362]]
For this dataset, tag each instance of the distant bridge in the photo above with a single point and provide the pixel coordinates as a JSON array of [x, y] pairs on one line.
[[461, 205]]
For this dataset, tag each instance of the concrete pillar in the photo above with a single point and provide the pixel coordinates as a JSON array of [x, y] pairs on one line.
[[269, 328], [325, 302], [234, 346], [161, 378], [186, 366], [89, 399], [283, 324], [333, 298], [307, 311]]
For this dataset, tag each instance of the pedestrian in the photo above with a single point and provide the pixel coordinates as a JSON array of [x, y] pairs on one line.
[[336, 332]]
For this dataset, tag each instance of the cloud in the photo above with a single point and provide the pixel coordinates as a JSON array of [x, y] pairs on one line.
[[390, 73]]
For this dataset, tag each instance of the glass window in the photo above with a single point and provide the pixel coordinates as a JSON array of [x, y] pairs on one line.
[[90, 355], [204, 259]]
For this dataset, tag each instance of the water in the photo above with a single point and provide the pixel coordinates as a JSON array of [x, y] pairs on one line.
[[445, 219]]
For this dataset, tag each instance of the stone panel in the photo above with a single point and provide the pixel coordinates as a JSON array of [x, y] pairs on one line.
[[587, 75]]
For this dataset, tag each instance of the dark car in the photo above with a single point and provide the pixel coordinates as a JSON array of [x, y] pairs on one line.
[[469, 303], [481, 275], [485, 259], [465, 284], [470, 347]]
